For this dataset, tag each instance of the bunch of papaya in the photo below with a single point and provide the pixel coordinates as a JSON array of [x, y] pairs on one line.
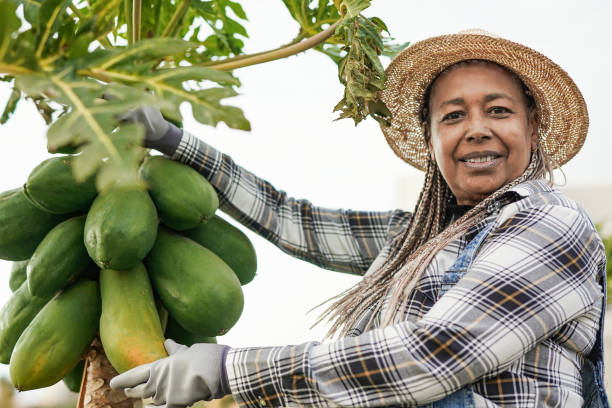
[[131, 265]]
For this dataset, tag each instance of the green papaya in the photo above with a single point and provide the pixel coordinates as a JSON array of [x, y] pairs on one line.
[[22, 225], [120, 228], [230, 244], [181, 335], [162, 312], [57, 338], [52, 187], [59, 259], [15, 316], [18, 274], [183, 197], [199, 290], [130, 327], [73, 378]]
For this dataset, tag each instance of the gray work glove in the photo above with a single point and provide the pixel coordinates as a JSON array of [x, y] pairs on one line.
[[159, 133], [187, 375]]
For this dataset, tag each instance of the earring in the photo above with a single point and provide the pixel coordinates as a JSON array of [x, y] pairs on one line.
[[535, 149]]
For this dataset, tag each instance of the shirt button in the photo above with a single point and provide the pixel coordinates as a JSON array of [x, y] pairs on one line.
[[262, 402]]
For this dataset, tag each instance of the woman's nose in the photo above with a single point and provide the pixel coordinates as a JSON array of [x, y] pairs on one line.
[[477, 129]]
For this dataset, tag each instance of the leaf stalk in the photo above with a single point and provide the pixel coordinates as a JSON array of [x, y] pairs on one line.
[[282, 52], [136, 16], [176, 19], [127, 9]]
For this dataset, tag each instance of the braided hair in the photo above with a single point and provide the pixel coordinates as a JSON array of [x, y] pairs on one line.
[[427, 233]]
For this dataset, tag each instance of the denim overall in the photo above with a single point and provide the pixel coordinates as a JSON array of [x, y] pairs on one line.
[[593, 390]]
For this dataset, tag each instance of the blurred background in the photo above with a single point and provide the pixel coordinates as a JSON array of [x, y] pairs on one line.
[[296, 144]]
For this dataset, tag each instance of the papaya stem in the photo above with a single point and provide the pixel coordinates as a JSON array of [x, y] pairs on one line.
[[176, 19], [279, 53], [136, 15], [127, 9]]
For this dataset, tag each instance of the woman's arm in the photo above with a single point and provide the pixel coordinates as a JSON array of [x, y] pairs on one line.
[[341, 240], [536, 272]]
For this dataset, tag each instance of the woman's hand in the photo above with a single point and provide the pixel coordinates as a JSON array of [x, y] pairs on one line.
[[159, 133], [188, 375]]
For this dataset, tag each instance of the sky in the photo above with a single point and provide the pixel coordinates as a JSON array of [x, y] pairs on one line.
[[297, 146]]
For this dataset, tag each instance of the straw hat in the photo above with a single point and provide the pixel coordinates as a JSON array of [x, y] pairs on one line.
[[561, 108]]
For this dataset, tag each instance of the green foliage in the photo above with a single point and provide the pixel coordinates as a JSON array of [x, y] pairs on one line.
[[63, 55]]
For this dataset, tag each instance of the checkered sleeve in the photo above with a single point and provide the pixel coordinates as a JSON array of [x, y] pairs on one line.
[[341, 240], [534, 274]]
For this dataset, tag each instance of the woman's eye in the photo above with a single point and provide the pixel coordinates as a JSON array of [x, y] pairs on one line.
[[499, 110], [452, 116]]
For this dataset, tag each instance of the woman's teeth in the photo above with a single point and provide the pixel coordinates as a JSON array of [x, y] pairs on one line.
[[480, 159]]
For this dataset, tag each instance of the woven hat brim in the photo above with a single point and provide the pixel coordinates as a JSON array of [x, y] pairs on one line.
[[562, 111]]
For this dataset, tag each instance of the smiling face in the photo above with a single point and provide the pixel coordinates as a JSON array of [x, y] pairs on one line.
[[480, 129]]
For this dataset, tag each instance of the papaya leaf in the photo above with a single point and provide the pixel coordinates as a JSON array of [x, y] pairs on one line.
[[169, 84], [50, 20], [16, 56], [391, 50], [9, 24], [156, 15], [312, 17], [90, 122], [155, 48], [224, 28], [359, 67], [11, 105], [351, 8]]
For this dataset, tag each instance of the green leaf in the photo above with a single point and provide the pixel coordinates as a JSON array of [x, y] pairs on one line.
[[50, 21], [391, 50], [311, 17], [9, 24], [90, 122], [237, 9], [155, 48], [224, 40], [351, 8], [11, 105]]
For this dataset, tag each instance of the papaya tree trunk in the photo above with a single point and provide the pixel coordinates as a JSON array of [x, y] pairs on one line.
[[95, 388]]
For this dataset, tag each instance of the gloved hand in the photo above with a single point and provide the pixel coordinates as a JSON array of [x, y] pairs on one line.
[[159, 133], [187, 375]]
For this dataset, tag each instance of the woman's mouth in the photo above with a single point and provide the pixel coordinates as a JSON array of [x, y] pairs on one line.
[[481, 161]]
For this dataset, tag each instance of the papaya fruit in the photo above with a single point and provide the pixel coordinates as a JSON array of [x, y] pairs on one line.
[[181, 335], [183, 197], [199, 290], [22, 225], [15, 316], [73, 378], [52, 187], [18, 274], [59, 259], [55, 341], [162, 312], [130, 327], [230, 244], [120, 228]]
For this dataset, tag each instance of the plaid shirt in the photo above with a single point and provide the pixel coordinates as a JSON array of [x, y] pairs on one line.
[[514, 329]]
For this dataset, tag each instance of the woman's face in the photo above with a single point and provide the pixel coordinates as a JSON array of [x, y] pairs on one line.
[[481, 132]]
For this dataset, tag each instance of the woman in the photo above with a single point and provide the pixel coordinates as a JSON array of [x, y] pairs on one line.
[[490, 293]]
